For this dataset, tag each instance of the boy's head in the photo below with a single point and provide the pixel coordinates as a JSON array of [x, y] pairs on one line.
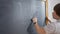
[[56, 13]]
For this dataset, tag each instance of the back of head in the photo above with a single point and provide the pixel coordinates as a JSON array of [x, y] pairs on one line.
[[57, 9]]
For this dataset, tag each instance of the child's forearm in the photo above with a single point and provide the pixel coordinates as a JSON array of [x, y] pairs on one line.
[[39, 29]]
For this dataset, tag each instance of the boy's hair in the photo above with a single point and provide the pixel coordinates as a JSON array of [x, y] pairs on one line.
[[57, 9]]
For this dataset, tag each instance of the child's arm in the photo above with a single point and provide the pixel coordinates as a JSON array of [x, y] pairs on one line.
[[48, 29], [39, 29]]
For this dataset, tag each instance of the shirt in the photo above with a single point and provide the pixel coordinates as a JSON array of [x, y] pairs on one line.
[[53, 28]]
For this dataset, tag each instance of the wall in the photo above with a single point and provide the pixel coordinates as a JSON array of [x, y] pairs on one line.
[[51, 4]]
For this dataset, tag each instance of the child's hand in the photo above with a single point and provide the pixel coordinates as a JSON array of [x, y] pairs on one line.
[[48, 19], [34, 20]]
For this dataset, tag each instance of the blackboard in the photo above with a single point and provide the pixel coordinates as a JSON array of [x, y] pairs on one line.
[[15, 15]]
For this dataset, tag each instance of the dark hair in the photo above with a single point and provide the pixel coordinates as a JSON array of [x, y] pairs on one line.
[[57, 9]]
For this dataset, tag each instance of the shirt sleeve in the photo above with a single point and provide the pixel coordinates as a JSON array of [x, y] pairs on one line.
[[50, 28]]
